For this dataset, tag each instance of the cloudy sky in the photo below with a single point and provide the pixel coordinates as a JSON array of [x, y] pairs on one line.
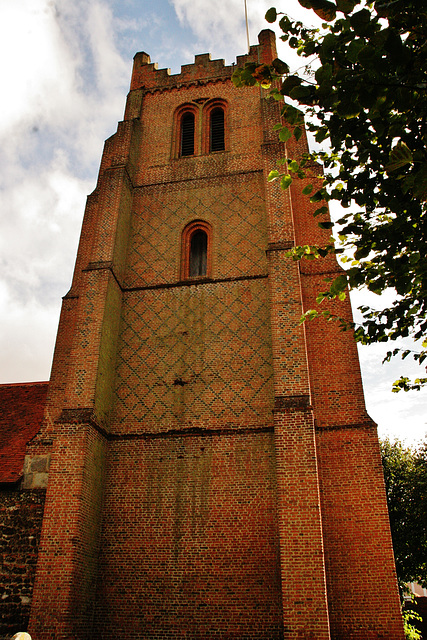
[[65, 71]]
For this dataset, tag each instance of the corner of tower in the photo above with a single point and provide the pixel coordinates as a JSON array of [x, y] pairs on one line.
[[267, 44], [145, 72], [264, 52]]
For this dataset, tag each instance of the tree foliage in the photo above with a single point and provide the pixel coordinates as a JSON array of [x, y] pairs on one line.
[[405, 475], [363, 91]]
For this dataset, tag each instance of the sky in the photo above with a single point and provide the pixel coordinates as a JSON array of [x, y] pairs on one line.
[[65, 69]]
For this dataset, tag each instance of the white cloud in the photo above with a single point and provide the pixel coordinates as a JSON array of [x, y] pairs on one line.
[[38, 244], [28, 42], [400, 415], [217, 25], [110, 69], [27, 338], [63, 82], [220, 27], [41, 227], [64, 86]]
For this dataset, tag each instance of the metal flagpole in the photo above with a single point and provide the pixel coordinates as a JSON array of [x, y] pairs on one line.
[[247, 26]]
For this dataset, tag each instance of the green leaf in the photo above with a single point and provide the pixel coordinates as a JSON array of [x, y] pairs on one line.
[[309, 48], [323, 73], [297, 133], [280, 67], [320, 211], [285, 24], [309, 315], [349, 108], [339, 285], [360, 21], [300, 92], [286, 182], [322, 296], [271, 15], [327, 48], [323, 8], [285, 134], [414, 257], [273, 175], [276, 95], [420, 187], [317, 197], [326, 224], [346, 6], [293, 166], [289, 83], [362, 252], [400, 156], [244, 77], [307, 190], [321, 134], [366, 55], [292, 115]]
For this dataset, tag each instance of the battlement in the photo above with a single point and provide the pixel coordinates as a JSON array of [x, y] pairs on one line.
[[146, 75]]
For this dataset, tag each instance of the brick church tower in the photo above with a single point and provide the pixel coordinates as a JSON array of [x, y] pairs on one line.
[[213, 472]]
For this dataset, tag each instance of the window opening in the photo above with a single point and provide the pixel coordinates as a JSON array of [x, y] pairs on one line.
[[198, 254], [187, 134], [196, 250], [217, 141]]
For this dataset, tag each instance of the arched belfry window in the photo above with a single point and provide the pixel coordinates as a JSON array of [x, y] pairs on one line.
[[216, 130], [187, 134], [200, 127], [196, 250], [216, 136]]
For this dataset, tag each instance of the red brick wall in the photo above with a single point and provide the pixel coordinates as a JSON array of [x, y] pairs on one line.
[[190, 542], [195, 356], [67, 569], [356, 535], [233, 206], [357, 557]]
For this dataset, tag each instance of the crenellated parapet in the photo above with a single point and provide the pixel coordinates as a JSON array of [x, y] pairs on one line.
[[148, 77]]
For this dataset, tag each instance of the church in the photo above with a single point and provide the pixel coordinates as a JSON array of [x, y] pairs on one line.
[[200, 465]]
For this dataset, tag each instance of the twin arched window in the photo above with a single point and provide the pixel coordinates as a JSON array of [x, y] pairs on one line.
[[208, 138], [196, 250]]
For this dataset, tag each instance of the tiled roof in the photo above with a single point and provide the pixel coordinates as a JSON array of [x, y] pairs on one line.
[[21, 414]]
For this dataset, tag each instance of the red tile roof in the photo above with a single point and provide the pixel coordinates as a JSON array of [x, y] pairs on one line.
[[21, 414]]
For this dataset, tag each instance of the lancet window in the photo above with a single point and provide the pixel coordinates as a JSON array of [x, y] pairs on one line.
[[196, 250]]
